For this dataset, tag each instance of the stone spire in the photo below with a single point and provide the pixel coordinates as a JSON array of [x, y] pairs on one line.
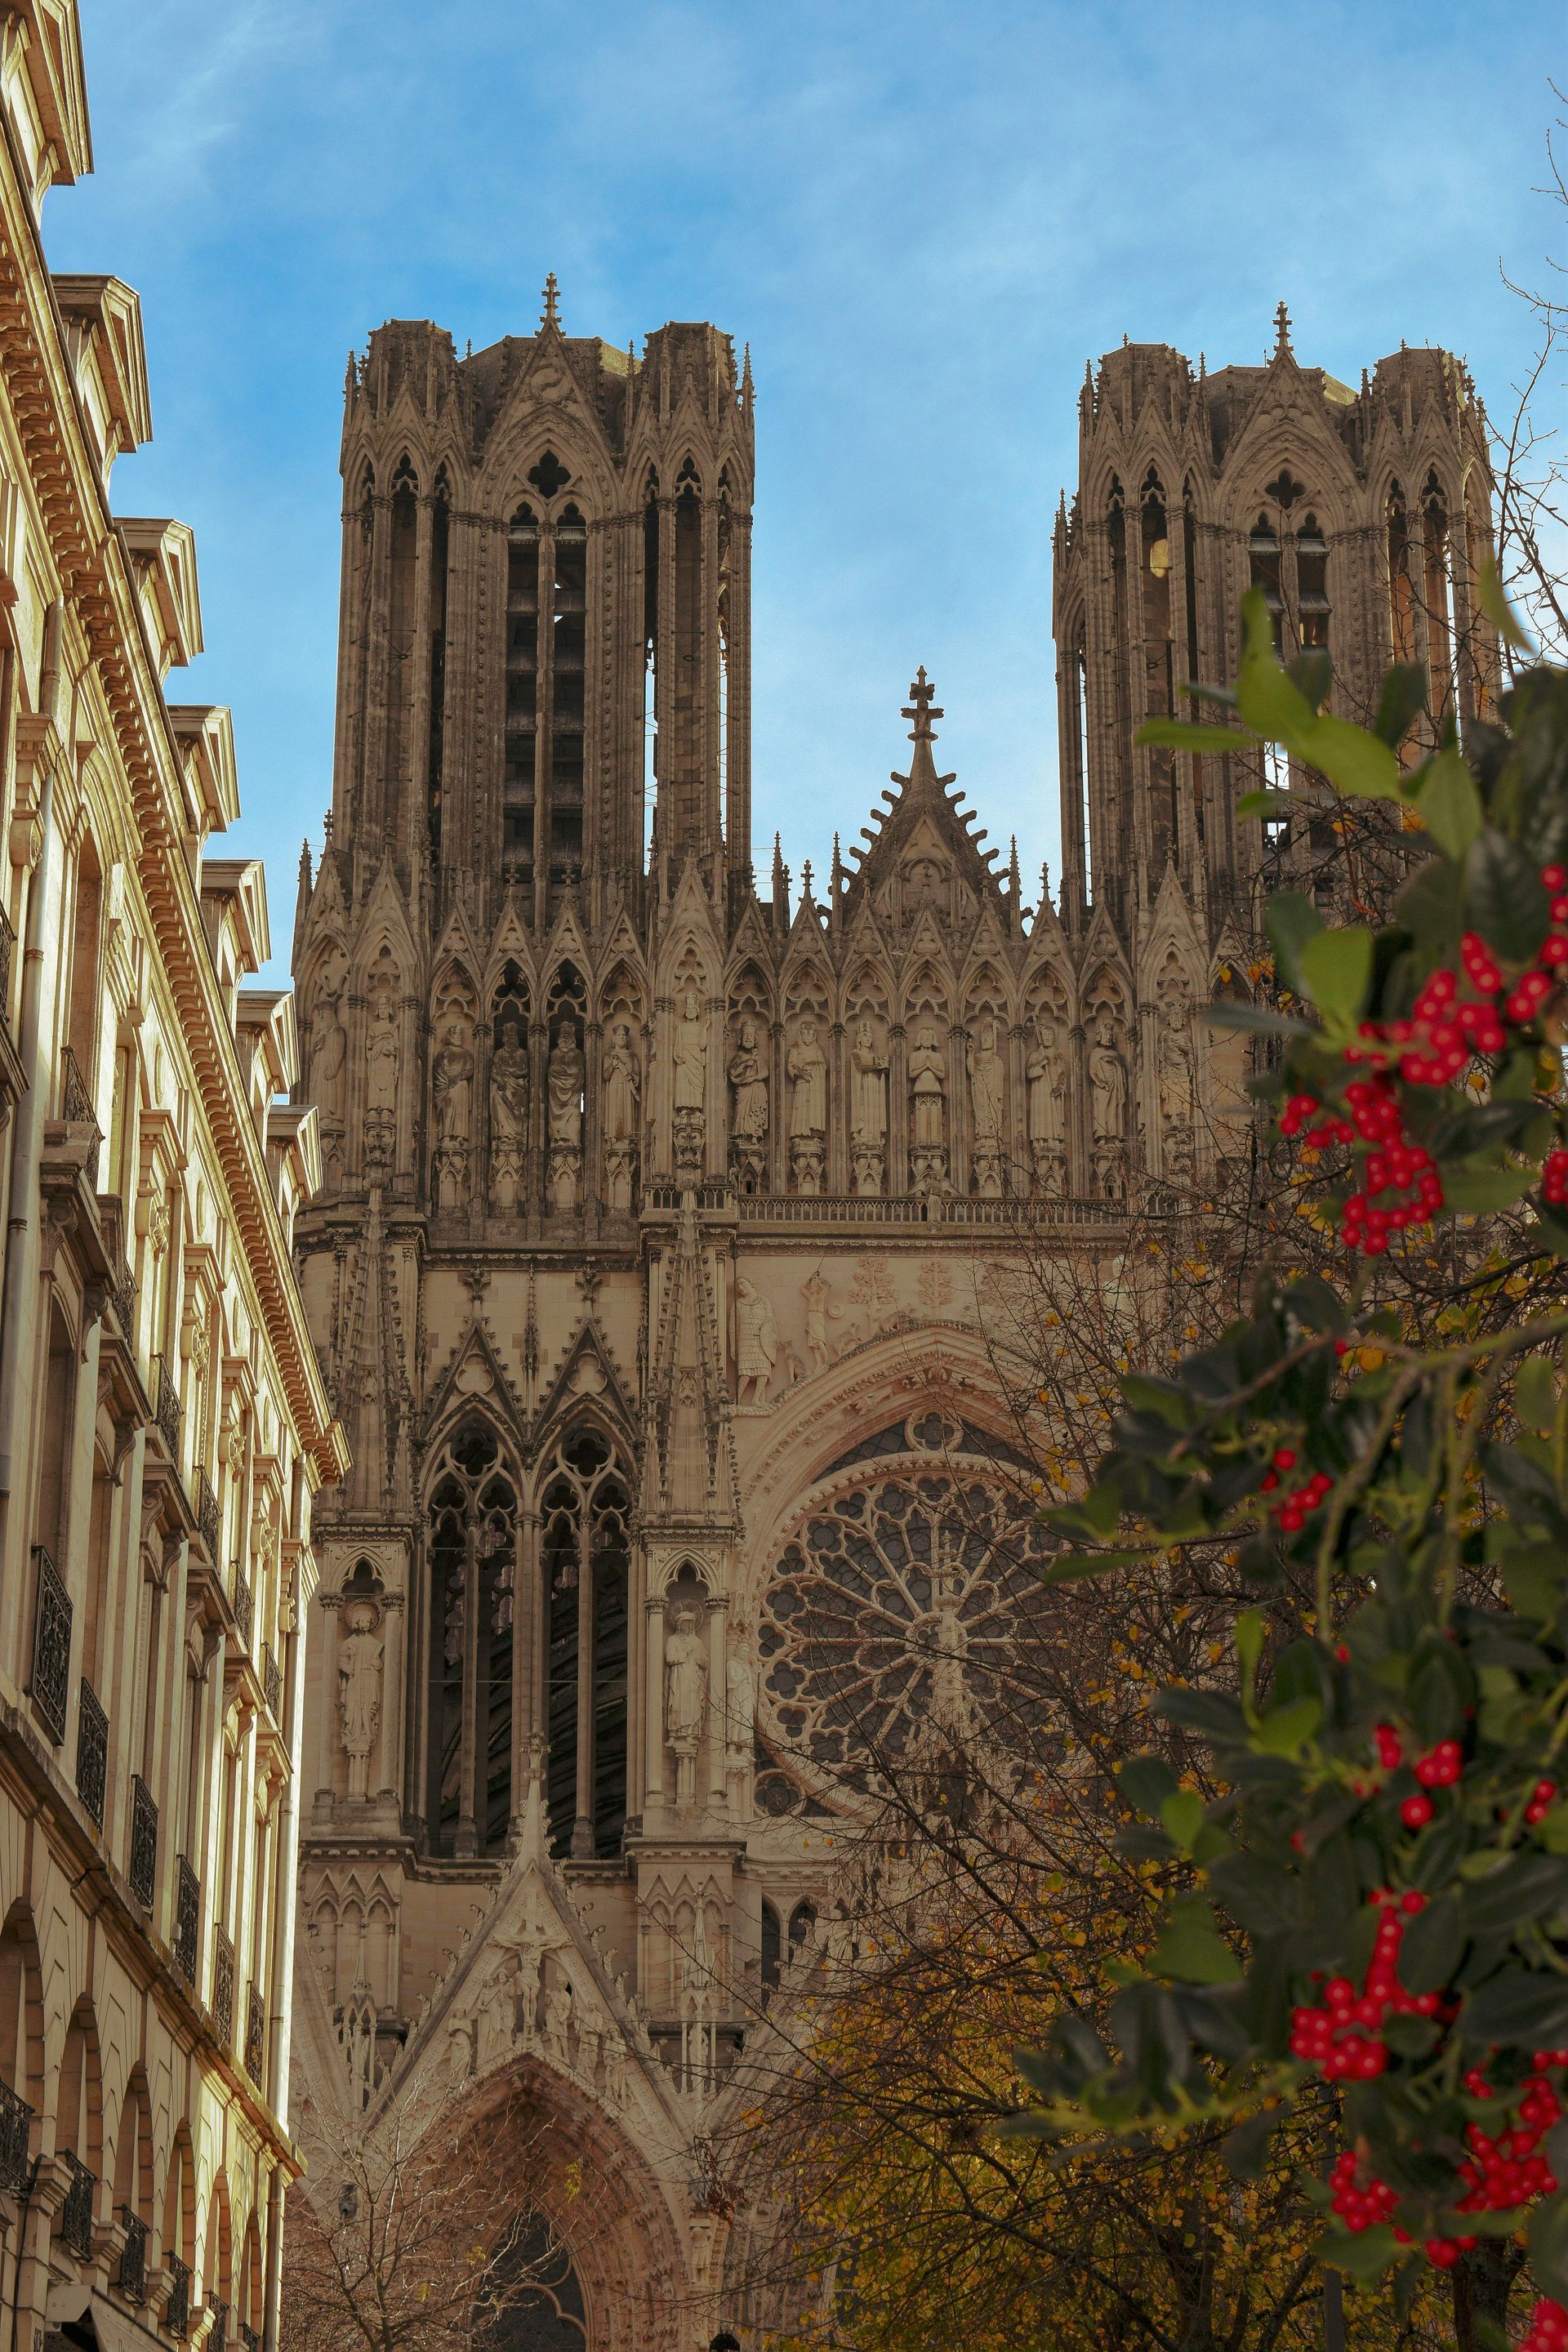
[[550, 314]]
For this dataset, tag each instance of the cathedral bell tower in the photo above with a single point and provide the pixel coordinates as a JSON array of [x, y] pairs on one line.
[[545, 638]]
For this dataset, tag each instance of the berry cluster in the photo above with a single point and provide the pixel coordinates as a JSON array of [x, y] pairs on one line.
[[1548, 2328], [1343, 2036], [1554, 1176], [1543, 1797], [1504, 2168], [1393, 1165], [1294, 1503], [1361, 2204]]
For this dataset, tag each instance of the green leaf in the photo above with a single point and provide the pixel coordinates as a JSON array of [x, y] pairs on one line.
[[1353, 759], [1186, 735], [1259, 1019], [1360, 2253], [1273, 805], [1191, 1950], [1284, 1731], [1166, 1399], [1182, 1815], [1504, 898], [1245, 2149], [1336, 967], [1072, 1566], [1400, 703], [1292, 920], [1479, 1191], [1548, 2240], [1519, 2006], [1145, 1781], [1433, 1942], [1313, 673], [1552, 1829], [1265, 697], [1250, 1627], [1431, 905], [1450, 805], [1535, 1578], [1535, 1392]]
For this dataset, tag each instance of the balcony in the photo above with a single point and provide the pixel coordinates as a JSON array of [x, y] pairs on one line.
[[255, 2036], [91, 1753], [178, 2310], [249, 2337], [75, 2213], [187, 1920], [223, 1988], [217, 2334], [209, 1521], [167, 1414], [121, 1281], [272, 1683], [76, 1111], [131, 2280], [51, 1647], [7, 946], [144, 1868], [244, 1605], [16, 2132]]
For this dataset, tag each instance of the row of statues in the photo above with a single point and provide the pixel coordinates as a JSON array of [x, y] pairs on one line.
[[933, 1065]]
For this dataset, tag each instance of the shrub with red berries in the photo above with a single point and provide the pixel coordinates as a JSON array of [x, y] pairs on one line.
[[1376, 1898]]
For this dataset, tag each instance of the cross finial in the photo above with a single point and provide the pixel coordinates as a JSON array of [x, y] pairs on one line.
[[1281, 328], [922, 708], [551, 316]]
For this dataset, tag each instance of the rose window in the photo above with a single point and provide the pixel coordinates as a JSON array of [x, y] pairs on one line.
[[895, 1606]]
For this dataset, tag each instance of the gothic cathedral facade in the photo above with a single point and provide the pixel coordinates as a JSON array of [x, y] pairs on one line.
[[648, 1269]]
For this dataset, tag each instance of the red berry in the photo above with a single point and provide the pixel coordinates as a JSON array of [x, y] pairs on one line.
[[1415, 1813]]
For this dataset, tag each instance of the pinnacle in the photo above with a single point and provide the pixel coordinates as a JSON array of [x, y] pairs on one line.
[[1281, 331], [920, 707], [551, 316]]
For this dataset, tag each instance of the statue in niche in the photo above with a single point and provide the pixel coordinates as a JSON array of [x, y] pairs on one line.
[[1174, 1076], [528, 1967], [359, 1689], [740, 1718], [690, 1080], [564, 1090], [615, 2067], [868, 1109], [1045, 1075], [928, 1112], [806, 1067], [329, 1050], [509, 1115], [590, 2038], [685, 1695], [987, 1085], [382, 1057], [756, 1341], [558, 2024], [620, 1075], [748, 1075], [459, 2053], [496, 2017], [1108, 1094], [453, 1084]]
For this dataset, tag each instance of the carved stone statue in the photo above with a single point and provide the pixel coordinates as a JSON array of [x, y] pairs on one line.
[[329, 1048], [739, 1712], [620, 1074], [1175, 1086], [987, 1088], [748, 1075], [690, 1081], [453, 1085], [382, 1059], [819, 1312], [928, 1112], [496, 2017], [528, 1967], [806, 1067], [1108, 1092], [564, 1104], [685, 1676], [1045, 1073], [359, 1689], [756, 1341], [868, 1109], [509, 1116], [558, 2023], [615, 2067]]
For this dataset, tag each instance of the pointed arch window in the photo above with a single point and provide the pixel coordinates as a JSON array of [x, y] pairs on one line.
[[1438, 598], [586, 1515], [1120, 812], [1401, 586], [440, 542], [519, 786], [1159, 658], [471, 1554], [1312, 583], [1190, 613]]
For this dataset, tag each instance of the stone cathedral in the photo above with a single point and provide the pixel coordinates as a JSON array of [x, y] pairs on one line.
[[649, 1269]]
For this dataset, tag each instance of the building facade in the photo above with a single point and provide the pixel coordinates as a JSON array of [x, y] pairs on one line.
[[662, 1213], [163, 1425]]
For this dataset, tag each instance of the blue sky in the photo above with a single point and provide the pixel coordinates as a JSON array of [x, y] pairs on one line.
[[923, 217]]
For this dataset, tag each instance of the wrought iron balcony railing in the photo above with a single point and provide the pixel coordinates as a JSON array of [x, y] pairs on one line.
[[249, 2337], [255, 2036], [209, 1519], [144, 1867], [7, 946], [15, 2133], [243, 1606], [166, 1408], [217, 2333], [132, 2278], [76, 1111], [187, 1920], [178, 2310], [222, 1987], [272, 1683], [51, 1646], [75, 2213], [92, 1752]]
